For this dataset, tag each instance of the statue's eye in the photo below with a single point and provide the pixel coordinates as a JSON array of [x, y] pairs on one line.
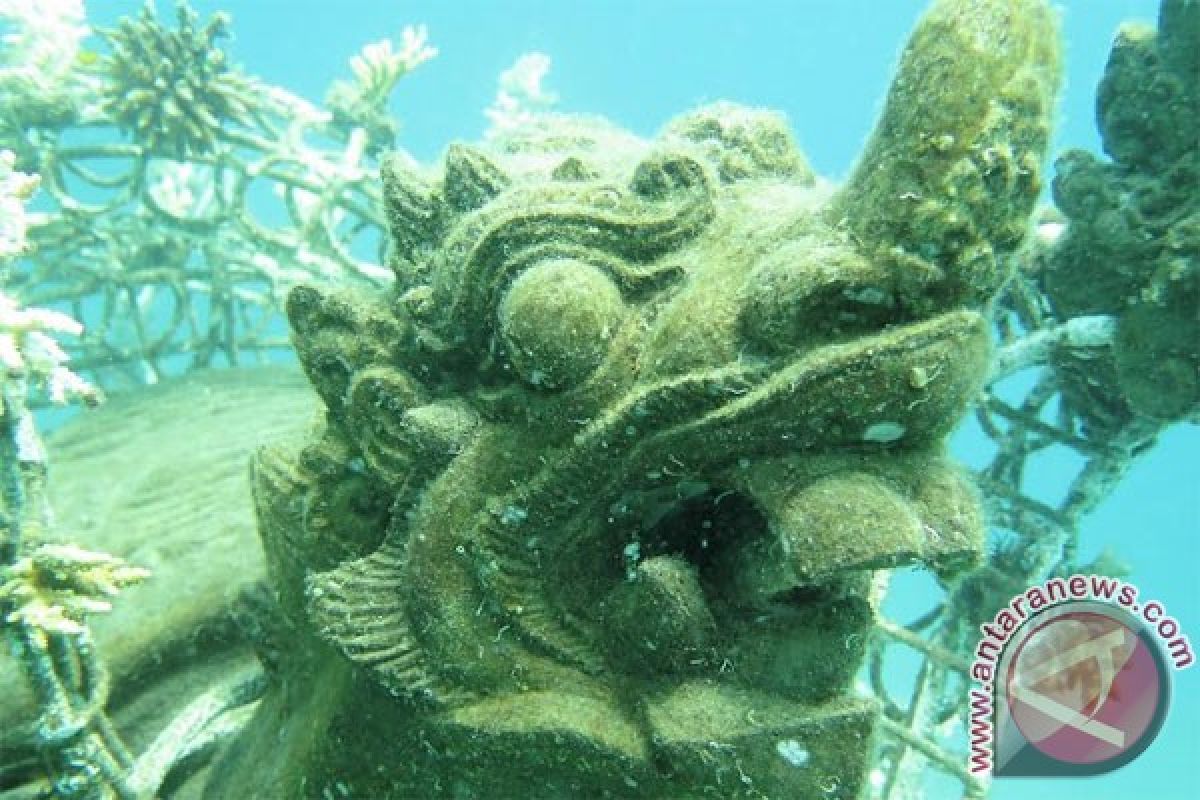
[[557, 320]]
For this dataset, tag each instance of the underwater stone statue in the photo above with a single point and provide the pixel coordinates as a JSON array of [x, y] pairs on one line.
[[604, 480]]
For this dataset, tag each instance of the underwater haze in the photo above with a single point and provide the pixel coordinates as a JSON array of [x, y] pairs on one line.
[[826, 65]]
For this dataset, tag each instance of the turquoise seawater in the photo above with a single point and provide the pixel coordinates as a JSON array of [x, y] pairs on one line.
[[826, 65]]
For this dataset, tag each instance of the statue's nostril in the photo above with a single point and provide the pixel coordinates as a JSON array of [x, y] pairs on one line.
[[800, 596], [701, 528]]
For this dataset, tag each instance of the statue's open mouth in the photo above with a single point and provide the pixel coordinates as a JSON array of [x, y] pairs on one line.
[[632, 439], [703, 522]]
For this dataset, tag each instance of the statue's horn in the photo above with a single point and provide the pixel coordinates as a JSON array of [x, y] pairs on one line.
[[945, 185]]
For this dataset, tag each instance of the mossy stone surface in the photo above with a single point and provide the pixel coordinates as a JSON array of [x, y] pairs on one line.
[[692, 398], [557, 320]]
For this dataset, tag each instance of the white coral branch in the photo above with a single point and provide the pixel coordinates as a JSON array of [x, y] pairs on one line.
[[28, 350], [15, 189], [520, 94], [379, 66]]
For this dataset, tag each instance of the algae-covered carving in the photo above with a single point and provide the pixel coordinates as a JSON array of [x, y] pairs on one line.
[[604, 478]]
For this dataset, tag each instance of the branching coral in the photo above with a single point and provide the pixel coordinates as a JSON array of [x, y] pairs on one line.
[[362, 102], [31, 358], [38, 57], [46, 591], [134, 225], [27, 347], [174, 89], [520, 94], [15, 189], [54, 588]]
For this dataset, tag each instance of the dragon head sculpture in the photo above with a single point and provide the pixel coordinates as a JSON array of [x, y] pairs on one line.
[[605, 477]]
